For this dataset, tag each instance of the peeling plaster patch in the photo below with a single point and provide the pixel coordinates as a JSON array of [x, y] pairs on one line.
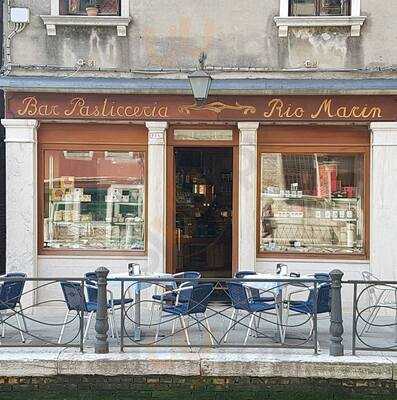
[[327, 48]]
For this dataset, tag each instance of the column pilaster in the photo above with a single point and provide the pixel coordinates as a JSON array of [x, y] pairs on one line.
[[156, 196], [21, 195], [383, 210], [247, 195]]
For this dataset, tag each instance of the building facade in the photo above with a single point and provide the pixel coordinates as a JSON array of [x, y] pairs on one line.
[[110, 160]]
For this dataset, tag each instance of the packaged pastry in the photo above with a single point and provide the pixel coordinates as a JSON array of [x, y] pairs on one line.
[[57, 194], [67, 182]]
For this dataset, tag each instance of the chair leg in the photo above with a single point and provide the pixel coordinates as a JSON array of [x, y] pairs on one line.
[[23, 317], [88, 326], [234, 315], [158, 325], [249, 328], [19, 327], [63, 326], [111, 327], [112, 318], [207, 324], [185, 330], [173, 327], [2, 325]]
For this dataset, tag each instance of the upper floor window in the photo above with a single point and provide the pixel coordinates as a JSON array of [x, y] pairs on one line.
[[315, 13], [319, 7], [79, 7]]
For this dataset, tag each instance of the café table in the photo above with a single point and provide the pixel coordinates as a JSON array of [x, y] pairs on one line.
[[277, 287], [114, 285]]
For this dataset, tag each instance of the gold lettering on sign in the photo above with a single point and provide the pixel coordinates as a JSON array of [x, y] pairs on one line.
[[328, 109], [278, 109]]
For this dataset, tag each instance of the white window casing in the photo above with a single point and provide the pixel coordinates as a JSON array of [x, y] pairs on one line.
[[354, 20], [119, 21]]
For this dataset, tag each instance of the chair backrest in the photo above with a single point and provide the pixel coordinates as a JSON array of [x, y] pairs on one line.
[[11, 291], [371, 288], [255, 293], [188, 275], [322, 277], [91, 287], [238, 295], [242, 274], [74, 296], [199, 298], [323, 298]]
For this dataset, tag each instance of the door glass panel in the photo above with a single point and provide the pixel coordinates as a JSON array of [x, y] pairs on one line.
[[203, 211]]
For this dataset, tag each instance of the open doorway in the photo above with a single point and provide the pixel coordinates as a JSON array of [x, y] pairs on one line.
[[203, 204]]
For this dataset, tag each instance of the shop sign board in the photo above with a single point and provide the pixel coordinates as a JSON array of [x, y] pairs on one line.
[[55, 106]]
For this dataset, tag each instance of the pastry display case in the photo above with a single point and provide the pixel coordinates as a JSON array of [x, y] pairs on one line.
[[100, 206], [311, 203]]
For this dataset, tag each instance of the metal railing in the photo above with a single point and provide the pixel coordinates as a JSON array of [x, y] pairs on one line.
[[212, 313], [18, 313], [374, 319]]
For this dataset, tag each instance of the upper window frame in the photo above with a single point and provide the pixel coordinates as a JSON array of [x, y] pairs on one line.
[[355, 20], [119, 21]]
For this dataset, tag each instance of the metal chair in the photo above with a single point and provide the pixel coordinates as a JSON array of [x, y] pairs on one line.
[[10, 297], [241, 302], [21, 275], [299, 307], [169, 295], [190, 301], [378, 296], [76, 301], [92, 295]]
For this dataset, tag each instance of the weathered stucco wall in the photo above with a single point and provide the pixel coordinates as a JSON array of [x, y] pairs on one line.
[[173, 33]]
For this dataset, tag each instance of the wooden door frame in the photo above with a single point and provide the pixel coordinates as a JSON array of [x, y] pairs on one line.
[[170, 185]]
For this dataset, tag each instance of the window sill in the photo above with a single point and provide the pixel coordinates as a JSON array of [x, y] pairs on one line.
[[355, 23], [51, 21]]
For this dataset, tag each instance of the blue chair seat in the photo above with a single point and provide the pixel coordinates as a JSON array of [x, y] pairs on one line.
[[180, 309], [300, 307], [117, 302], [91, 306], [167, 297], [260, 306]]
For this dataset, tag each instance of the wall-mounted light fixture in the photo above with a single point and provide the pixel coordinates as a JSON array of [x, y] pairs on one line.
[[200, 81]]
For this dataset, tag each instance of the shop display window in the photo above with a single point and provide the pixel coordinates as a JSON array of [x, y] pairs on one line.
[[94, 200], [312, 203], [319, 7]]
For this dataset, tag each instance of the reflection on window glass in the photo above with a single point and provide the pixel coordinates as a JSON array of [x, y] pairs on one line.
[[311, 203], [334, 7], [105, 7], [303, 7], [319, 7], [94, 200]]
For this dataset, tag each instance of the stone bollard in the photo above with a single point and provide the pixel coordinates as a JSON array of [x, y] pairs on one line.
[[336, 326], [102, 322]]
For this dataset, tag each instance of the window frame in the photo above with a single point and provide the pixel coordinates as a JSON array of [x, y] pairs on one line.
[[354, 21], [55, 19], [68, 144], [336, 148], [82, 13]]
